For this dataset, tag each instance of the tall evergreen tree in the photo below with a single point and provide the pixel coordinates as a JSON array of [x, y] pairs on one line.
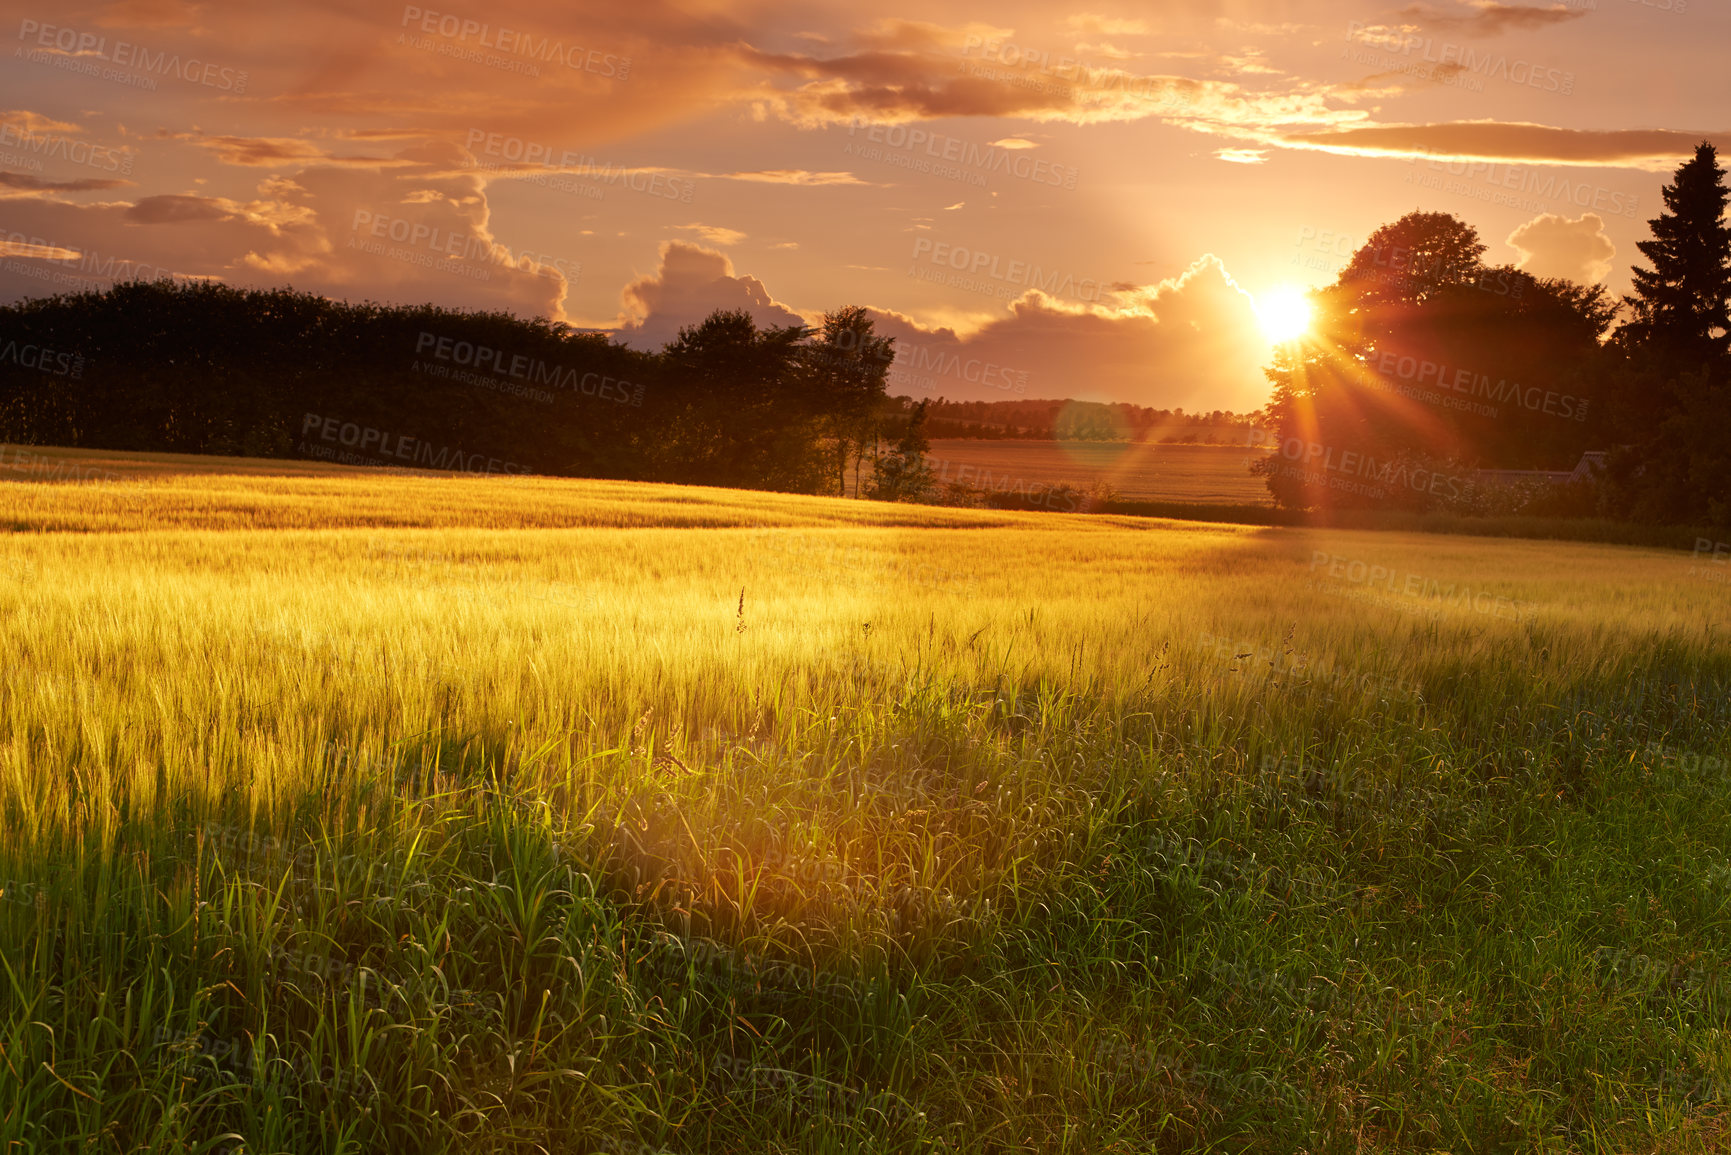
[[1682, 306]]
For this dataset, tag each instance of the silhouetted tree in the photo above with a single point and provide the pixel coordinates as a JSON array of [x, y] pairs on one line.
[[848, 373], [902, 474], [1681, 307], [1672, 460]]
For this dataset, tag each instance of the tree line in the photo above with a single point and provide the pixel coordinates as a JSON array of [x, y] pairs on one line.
[[1425, 367], [199, 367], [1070, 420]]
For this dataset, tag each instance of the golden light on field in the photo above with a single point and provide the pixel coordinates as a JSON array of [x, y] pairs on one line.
[[1284, 314]]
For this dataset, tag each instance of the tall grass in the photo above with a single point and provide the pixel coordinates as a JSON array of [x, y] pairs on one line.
[[365, 813]]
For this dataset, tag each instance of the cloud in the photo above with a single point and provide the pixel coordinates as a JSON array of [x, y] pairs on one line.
[[410, 233], [1490, 18], [1192, 340], [1087, 24], [269, 151], [148, 13], [795, 176], [34, 123], [715, 234], [1652, 150], [1242, 155], [1555, 246], [174, 210], [897, 87], [34, 184], [692, 283]]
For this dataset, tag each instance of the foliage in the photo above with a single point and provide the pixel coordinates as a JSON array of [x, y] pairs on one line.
[[902, 474], [203, 368]]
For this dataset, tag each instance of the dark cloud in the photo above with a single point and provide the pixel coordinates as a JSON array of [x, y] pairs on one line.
[[1489, 18], [26, 183], [268, 151], [1651, 149], [175, 210]]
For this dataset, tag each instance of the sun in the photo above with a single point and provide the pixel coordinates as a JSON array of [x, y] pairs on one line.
[[1284, 314]]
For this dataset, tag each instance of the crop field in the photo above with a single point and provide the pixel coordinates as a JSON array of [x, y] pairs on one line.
[[1194, 474], [355, 811]]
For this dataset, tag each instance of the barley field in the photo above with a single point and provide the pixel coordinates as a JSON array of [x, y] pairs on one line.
[[352, 811], [1137, 471]]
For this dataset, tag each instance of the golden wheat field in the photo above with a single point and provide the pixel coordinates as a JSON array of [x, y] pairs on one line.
[[344, 810]]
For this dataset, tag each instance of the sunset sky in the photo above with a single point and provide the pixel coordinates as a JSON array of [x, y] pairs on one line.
[[1088, 202]]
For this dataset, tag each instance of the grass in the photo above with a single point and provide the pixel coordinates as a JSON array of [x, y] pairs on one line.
[[347, 811]]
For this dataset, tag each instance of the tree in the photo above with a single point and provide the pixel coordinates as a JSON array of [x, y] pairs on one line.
[[1413, 259], [848, 369], [1682, 306], [742, 416], [903, 475]]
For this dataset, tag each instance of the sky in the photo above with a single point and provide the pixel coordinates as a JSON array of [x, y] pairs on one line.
[[1098, 201]]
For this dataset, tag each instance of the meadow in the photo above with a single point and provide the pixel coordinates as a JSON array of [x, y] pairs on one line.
[[344, 811], [1138, 471]]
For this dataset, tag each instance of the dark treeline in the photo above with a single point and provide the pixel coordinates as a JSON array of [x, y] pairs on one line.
[[1064, 420], [203, 368], [1427, 368]]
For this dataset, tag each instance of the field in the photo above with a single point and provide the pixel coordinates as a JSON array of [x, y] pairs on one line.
[[351, 811], [1195, 474]]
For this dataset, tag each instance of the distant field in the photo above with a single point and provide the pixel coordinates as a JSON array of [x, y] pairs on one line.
[[349, 811], [1200, 474]]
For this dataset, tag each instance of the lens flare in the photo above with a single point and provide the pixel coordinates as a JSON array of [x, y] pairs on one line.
[[1284, 314]]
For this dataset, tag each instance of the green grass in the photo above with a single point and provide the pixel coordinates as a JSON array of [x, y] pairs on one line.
[[343, 811]]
